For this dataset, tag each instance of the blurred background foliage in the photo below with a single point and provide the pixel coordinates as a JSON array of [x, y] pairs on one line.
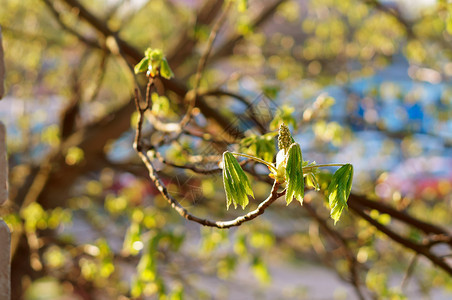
[[360, 81]]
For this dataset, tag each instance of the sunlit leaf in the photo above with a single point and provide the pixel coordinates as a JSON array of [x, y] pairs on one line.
[[311, 181], [142, 66], [339, 190], [165, 69], [294, 174], [235, 181]]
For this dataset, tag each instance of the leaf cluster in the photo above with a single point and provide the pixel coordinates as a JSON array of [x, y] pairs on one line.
[[289, 170], [154, 63]]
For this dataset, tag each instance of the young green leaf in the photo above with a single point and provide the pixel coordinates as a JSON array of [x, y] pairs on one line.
[[294, 174], [142, 66], [235, 182], [311, 181], [165, 69], [339, 190]]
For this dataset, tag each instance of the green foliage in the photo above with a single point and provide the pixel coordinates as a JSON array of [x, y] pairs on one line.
[[97, 267], [236, 183], [36, 218], [132, 241], [154, 63], [284, 115], [226, 266], [212, 238], [339, 190], [336, 34], [289, 169], [271, 91], [160, 105], [294, 175], [260, 270], [261, 146], [311, 181]]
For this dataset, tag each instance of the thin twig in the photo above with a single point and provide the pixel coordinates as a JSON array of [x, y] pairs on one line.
[[192, 167], [401, 216], [274, 195], [242, 99], [192, 96], [342, 242], [409, 271], [100, 77], [59, 19], [227, 47]]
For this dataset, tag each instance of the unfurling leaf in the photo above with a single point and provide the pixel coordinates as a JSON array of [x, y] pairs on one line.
[[142, 66], [165, 69], [154, 62], [235, 182], [294, 174], [339, 190], [311, 181]]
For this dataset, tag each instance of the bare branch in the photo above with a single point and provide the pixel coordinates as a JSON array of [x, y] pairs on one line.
[[227, 47], [409, 271], [100, 77], [420, 249], [185, 214], [253, 114], [404, 217], [187, 41], [192, 95], [342, 242], [59, 19], [394, 13], [274, 195]]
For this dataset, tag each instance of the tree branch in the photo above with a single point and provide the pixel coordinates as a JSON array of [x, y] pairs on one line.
[[59, 19], [274, 195], [227, 47], [357, 200], [421, 249], [342, 242], [193, 94], [187, 42]]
